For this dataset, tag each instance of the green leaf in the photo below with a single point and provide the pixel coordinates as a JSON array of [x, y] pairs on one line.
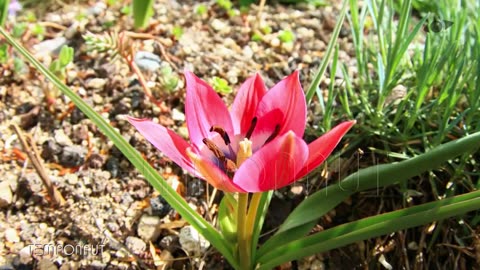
[[318, 204], [66, 56], [150, 174], [371, 227], [3, 53], [142, 11], [221, 85], [312, 89], [286, 36], [3, 11]]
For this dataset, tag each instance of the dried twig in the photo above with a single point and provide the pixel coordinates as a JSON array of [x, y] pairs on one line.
[[34, 156]]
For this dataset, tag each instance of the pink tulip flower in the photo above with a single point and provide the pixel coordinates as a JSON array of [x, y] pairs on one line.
[[254, 146]]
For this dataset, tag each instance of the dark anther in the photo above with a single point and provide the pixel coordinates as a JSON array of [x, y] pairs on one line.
[[252, 127], [222, 133], [274, 134], [227, 163]]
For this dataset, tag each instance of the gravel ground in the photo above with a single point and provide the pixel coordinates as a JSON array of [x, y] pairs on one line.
[[108, 206]]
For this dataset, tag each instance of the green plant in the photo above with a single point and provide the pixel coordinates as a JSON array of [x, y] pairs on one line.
[[438, 112], [227, 5], [201, 9], [221, 85], [58, 66], [142, 12], [177, 32], [38, 30], [168, 79], [3, 53], [286, 36]]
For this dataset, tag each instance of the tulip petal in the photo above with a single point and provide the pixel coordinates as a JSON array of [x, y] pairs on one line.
[[212, 173], [165, 140], [203, 109], [287, 101], [322, 147], [245, 104], [273, 166]]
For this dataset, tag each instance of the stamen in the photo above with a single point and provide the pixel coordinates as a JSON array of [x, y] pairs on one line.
[[252, 127], [274, 134], [222, 133], [214, 148], [227, 163]]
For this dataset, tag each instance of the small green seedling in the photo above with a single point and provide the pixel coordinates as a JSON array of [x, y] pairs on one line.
[[221, 85], [286, 36], [177, 32], [201, 10], [169, 79], [58, 66]]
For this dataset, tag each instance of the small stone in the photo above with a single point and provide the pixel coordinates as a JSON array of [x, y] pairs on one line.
[[95, 161], [317, 265], [71, 178], [275, 42], [11, 235], [113, 166], [6, 197], [147, 61], [61, 138], [50, 150], [288, 46], [25, 254], [49, 46], [135, 245], [160, 206], [169, 242], [149, 228], [72, 156], [106, 257], [97, 99], [218, 25], [76, 116], [192, 241], [178, 115], [96, 83]]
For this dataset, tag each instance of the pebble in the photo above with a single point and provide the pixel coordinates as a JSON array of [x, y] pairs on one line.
[[95, 161], [191, 241], [135, 245], [97, 99], [218, 25], [113, 166], [160, 206], [72, 156], [76, 116], [25, 254], [149, 228], [178, 115], [275, 42], [96, 83], [61, 138], [49, 46], [11, 235], [71, 178], [6, 197], [169, 242], [147, 61]]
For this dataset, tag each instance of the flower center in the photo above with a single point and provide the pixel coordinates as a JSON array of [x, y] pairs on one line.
[[227, 163]]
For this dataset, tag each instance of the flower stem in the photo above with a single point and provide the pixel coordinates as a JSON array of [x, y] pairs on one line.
[[251, 217], [244, 250]]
